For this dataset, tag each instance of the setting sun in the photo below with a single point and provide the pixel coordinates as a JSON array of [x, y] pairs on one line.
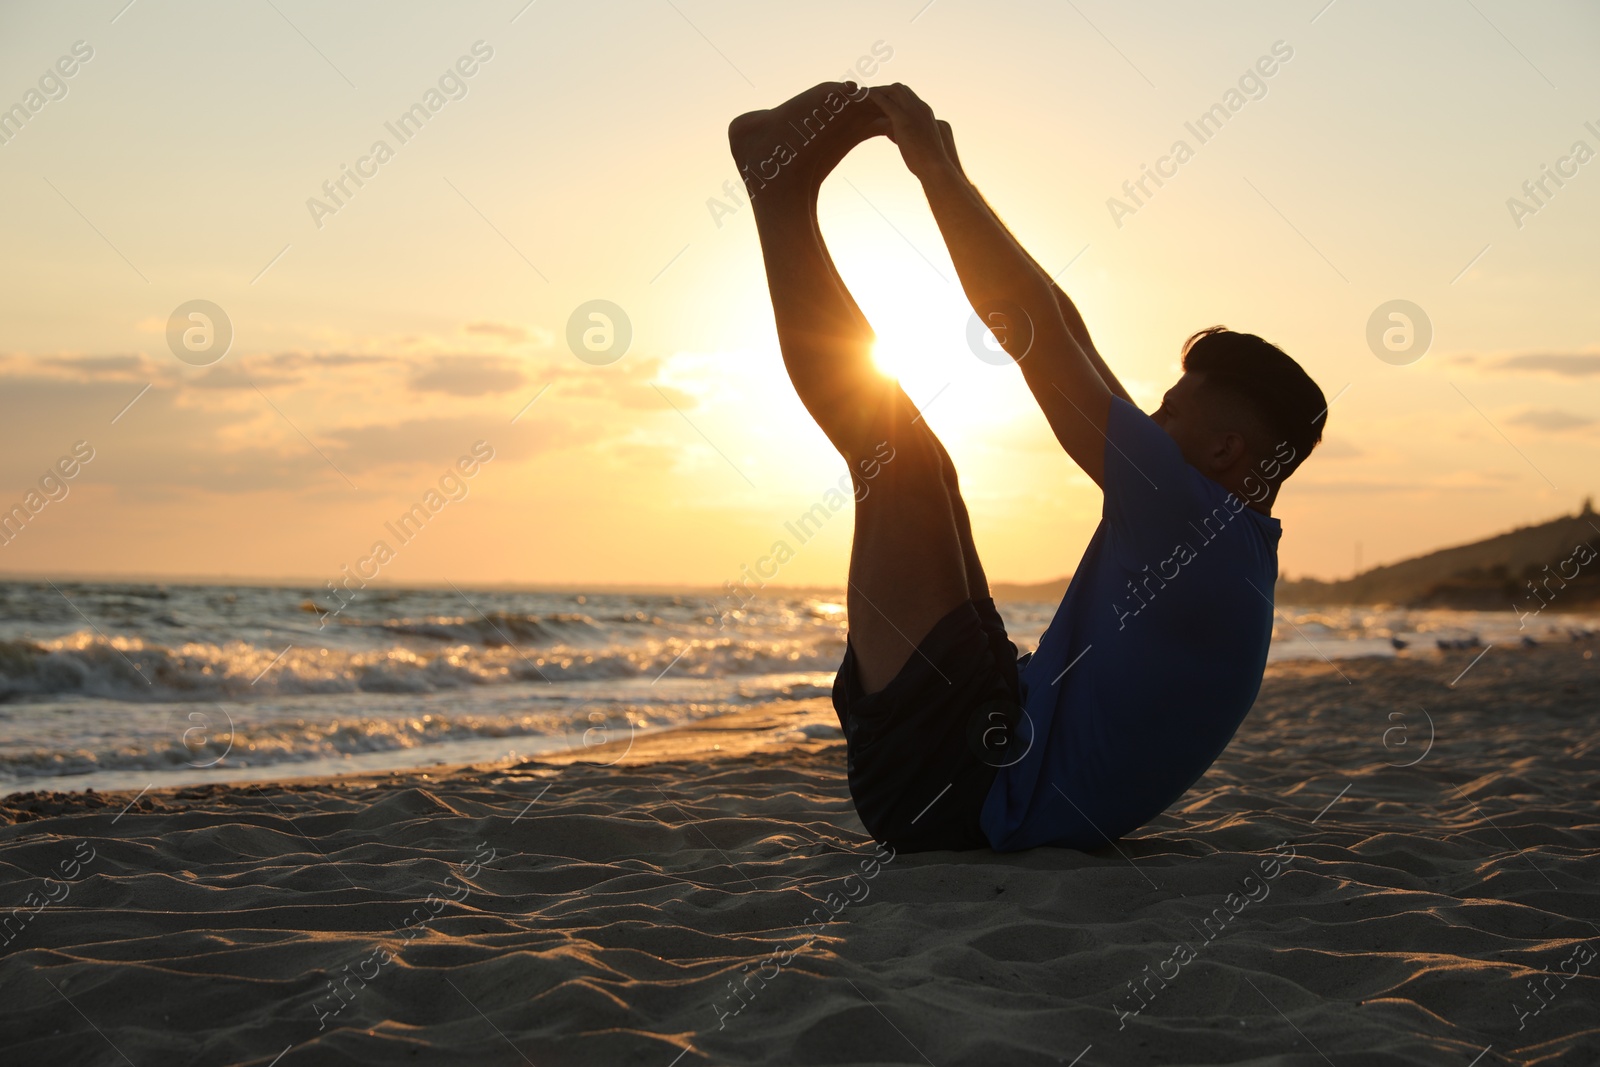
[[892, 358]]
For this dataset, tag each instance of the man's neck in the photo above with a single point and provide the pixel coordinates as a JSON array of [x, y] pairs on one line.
[[1235, 484]]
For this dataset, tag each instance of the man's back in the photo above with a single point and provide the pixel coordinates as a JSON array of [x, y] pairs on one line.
[[1153, 658]]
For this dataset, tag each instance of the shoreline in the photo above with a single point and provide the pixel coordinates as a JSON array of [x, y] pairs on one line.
[[763, 727], [806, 723]]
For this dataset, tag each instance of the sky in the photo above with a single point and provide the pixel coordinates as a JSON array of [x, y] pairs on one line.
[[382, 332]]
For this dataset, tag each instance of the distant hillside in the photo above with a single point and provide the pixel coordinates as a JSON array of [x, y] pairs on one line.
[[1487, 575]]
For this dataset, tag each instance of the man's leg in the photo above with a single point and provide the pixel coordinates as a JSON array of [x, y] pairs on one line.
[[909, 561]]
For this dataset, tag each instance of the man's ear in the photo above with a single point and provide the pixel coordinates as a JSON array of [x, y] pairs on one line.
[[1228, 449]]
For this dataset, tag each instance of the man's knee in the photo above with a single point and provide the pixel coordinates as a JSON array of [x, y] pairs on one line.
[[895, 466], [870, 422]]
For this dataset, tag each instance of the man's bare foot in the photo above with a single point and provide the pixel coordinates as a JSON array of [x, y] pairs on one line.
[[792, 147]]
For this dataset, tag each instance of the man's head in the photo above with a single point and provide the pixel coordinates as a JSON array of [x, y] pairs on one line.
[[1243, 409]]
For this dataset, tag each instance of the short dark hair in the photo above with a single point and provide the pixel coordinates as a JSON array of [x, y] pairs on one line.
[[1275, 388]]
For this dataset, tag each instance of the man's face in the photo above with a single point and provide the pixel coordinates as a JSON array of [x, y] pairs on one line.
[[1188, 420]]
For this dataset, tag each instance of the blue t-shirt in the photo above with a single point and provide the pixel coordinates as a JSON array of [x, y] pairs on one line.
[[1153, 658]]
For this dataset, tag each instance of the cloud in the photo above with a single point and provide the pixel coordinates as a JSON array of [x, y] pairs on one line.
[[1337, 448], [630, 384], [1361, 487], [1566, 364], [313, 360], [119, 366], [441, 440], [381, 418], [1474, 481], [637, 396], [452, 375], [503, 330], [468, 376], [268, 369], [1550, 420], [157, 445], [245, 374], [108, 366], [509, 335]]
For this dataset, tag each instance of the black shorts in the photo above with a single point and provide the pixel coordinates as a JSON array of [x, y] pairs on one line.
[[923, 751]]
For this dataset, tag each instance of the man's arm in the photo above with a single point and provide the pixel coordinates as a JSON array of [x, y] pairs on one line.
[[998, 275], [1075, 323], [1069, 311]]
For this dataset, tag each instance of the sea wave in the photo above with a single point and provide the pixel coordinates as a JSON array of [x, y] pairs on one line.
[[230, 743], [139, 669], [498, 629]]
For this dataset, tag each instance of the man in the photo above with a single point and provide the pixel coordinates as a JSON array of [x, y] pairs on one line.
[[1157, 650]]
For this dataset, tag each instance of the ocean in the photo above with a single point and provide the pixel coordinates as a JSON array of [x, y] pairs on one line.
[[120, 685]]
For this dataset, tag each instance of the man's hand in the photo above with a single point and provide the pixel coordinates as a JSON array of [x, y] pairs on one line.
[[914, 129]]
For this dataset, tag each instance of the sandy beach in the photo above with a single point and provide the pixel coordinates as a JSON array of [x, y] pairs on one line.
[[1382, 869]]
